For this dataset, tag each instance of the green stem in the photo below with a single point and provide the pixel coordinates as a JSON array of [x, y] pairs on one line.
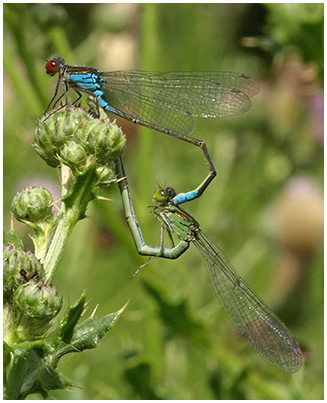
[[23, 88], [147, 140], [60, 42], [76, 196], [59, 241]]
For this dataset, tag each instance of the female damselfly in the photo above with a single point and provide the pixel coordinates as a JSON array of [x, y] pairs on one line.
[[253, 319]]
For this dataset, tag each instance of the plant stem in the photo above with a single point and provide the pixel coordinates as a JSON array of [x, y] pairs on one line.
[[65, 227], [76, 196]]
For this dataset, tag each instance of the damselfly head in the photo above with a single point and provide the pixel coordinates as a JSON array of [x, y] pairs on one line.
[[53, 65], [164, 195]]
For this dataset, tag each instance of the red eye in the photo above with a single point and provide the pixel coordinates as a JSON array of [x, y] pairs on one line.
[[52, 67]]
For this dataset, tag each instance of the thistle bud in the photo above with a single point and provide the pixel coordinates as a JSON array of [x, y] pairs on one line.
[[58, 134], [106, 173], [73, 155], [33, 204], [102, 139], [36, 303], [37, 300], [18, 268], [53, 131]]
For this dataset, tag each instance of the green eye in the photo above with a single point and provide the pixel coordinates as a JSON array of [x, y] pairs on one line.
[[160, 195]]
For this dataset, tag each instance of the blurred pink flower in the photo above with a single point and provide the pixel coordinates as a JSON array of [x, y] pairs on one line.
[[299, 216], [316, 105]]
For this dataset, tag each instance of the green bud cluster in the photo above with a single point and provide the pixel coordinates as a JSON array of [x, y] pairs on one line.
[[73, 137], [53, 132], [31, 303], [85, 148]]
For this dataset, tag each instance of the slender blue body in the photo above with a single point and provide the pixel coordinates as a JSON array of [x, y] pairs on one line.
[[90, 82], [165, 102]]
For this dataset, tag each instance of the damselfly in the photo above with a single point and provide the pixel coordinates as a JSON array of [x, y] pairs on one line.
[[165, 102], [253, 319]]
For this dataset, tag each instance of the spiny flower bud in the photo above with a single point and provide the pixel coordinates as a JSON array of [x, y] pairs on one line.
[[60, 135], [53, 131], [18, 268], [107, 174], [35, 305], [102, 139], [33, 204], [73, 155]]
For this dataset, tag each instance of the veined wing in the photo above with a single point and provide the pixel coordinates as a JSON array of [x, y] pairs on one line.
[[263, 330], [172, 100]]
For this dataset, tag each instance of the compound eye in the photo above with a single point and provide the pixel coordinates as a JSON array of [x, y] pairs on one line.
[[160, 195], [52, 67]]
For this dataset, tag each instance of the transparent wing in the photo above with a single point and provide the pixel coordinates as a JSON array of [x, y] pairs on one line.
[[263, 330], [172, 100]]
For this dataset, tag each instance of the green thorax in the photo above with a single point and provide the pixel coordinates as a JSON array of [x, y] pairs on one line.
[[183, 224]]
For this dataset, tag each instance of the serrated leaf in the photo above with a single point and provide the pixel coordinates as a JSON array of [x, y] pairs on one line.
[[89, 333], [39, 378], [73, 314], [33, 376]]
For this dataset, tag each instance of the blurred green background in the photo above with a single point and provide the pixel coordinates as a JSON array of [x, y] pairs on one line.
[[264, 209]]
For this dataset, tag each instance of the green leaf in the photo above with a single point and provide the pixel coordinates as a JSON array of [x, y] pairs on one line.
[[31, 375], [88, 334], [39, 378], [15, 378], [73, 314]]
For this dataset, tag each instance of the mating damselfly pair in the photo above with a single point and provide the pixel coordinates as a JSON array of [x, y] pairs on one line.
[[165, 102], [168, 103]]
